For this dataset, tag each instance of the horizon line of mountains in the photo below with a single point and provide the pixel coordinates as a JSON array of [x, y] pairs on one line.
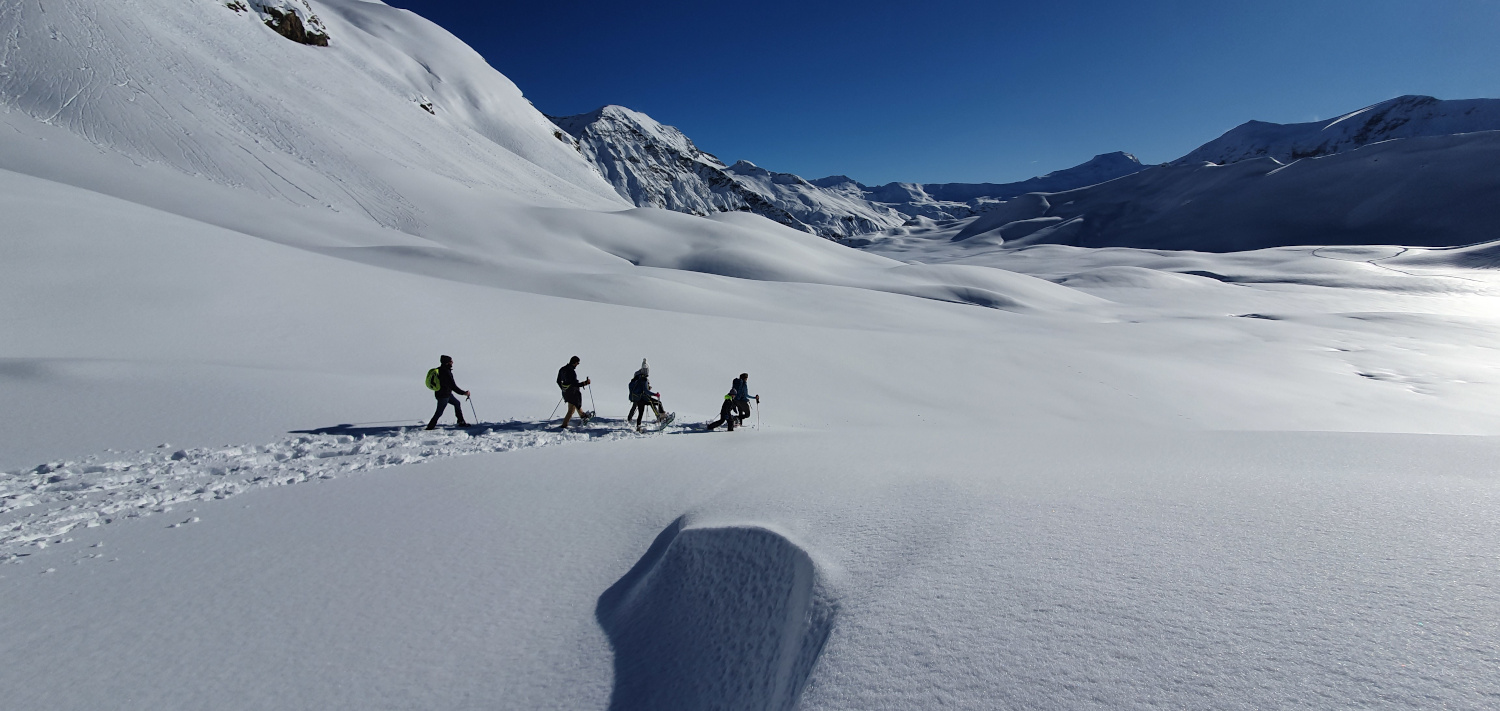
[[656, 165]]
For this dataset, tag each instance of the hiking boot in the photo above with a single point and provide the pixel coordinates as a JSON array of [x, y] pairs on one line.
[[430, 427]]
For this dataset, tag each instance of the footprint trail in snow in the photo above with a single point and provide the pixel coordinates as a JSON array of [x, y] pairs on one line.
[[41, 504]]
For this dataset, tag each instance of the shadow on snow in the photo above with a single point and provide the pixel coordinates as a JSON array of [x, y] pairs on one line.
[[729, 617]]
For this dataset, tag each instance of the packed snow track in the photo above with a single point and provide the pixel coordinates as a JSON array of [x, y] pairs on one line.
[[44, 503]]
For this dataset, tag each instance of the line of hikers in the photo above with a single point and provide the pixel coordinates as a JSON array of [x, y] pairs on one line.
[[733, 412]]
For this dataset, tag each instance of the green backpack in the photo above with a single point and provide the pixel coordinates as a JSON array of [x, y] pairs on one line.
[[434, 381]]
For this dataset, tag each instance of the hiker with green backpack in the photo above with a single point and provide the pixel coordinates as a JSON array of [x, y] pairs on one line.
[[440, 381]]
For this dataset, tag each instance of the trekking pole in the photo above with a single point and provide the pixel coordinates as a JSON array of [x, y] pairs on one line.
[[554, 408], [593, 406], [471, 409], [757, 415]]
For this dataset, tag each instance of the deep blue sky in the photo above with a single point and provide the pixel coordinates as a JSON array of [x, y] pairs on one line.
[[950, 91]]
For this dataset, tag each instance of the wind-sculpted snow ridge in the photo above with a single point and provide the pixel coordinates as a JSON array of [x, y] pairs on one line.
[[725, 617], [40, 504]]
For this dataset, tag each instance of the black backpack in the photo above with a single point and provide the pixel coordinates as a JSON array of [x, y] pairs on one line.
[[640, 388]]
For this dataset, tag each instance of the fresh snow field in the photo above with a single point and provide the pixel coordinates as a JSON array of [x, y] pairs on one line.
[[1046, 477]]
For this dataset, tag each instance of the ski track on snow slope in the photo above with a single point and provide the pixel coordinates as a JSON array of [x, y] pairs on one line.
[[43, 504]]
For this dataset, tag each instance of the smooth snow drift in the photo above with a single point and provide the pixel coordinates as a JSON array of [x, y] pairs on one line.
[[719, 617]]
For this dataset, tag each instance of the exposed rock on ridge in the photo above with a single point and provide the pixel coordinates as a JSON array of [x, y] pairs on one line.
[[292, 19]]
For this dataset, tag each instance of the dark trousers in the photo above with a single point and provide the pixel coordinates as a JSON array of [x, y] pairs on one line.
[[638, 410], [443, 401], [726, 415], [742, 407]]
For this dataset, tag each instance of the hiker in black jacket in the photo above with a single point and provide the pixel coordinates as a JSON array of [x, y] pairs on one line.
[[641, 397], [446, 388], [728, 413], [572, 391]]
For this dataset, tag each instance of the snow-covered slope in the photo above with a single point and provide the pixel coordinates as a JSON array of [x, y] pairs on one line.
[[211, 92], [395, 145], [1401, 117], [1049, 478]]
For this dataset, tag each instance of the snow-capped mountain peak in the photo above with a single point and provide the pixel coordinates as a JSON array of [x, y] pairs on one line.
[[620, 126], [656, 165]]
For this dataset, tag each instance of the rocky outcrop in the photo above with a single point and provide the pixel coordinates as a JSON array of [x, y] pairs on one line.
[[292, 19]]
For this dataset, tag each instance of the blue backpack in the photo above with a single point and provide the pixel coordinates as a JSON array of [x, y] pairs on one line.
[[640, 388]]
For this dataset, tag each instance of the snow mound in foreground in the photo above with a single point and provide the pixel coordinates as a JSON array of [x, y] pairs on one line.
[[723, 617]]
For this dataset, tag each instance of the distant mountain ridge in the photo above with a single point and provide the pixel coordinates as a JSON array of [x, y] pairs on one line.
[[947, 201], [1408, 116], [655, 165], [1409, 170], [1099, 169], [1412, 171]]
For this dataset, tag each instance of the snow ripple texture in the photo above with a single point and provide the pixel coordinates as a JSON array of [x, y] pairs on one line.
[[715, 618], [44, 503]]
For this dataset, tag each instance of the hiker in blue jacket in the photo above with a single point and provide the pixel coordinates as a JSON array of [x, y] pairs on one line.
[[736, 405], [741, 392]]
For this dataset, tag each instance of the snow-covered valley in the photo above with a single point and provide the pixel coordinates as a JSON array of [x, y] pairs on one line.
[[987, 470]]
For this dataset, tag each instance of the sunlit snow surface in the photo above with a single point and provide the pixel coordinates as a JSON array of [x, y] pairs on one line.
[[1045, 477], [53, 499]]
